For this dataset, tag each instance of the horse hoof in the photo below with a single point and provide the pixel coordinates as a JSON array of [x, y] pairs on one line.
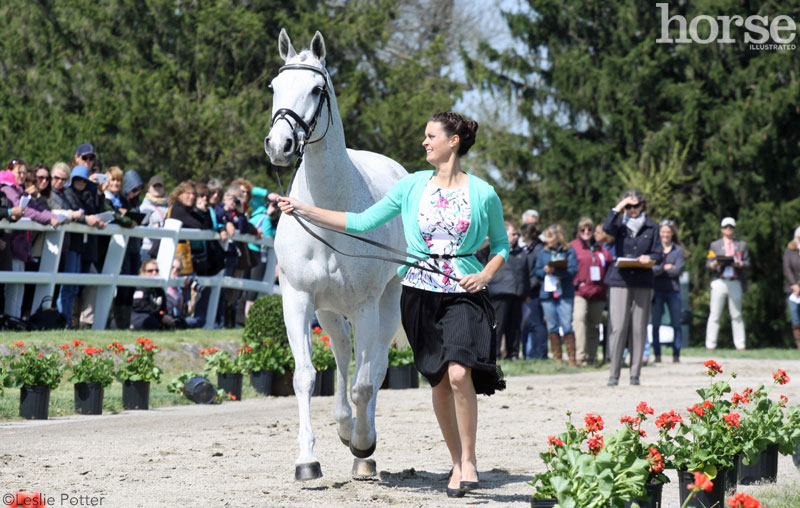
[[364, 469], [344, 441], [305, 472], [363, 454]]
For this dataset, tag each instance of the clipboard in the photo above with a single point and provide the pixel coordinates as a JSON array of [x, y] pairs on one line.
[[623, 262], [138, 217], [724, 260], [557, 263]]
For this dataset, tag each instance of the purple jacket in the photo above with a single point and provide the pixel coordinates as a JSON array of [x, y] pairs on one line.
[[21, 240]]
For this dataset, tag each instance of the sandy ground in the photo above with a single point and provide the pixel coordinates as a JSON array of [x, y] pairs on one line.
[[241, 454]]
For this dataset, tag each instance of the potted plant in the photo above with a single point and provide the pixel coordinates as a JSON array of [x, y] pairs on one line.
[[195, 387], [650, 495], [323, 360], [708, 443], [92, 370], [265, 324], [266, 360], [229, 369], [401, 368], [602, 475], [35, 373], [761, 425], [136, 371]]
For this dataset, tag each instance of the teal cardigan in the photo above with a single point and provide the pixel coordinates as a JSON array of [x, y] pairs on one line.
[[405, 197]]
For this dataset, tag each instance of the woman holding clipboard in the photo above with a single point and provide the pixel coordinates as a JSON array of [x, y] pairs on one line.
[[630, 280], [556, 266]]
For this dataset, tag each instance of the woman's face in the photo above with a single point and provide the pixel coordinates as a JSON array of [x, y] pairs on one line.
[[202, 202], [42, 179], [114, 185], [665, 232], [176, 268], [151, 270], [634, 209], [585, 233], [79, 184], [599, 234], [437, 144], [550, 240], [157, 190], [188, 197], [59, 179], [20, 172]]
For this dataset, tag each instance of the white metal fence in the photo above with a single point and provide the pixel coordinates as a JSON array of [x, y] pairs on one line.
[[109, 277]]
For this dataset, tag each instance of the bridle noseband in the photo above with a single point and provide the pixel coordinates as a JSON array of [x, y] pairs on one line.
[[306, 127]]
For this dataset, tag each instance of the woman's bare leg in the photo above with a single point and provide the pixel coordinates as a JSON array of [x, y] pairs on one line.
[[445, 409], [466, 409]]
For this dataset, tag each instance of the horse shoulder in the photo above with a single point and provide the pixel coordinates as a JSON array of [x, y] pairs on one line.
[[380, 171]]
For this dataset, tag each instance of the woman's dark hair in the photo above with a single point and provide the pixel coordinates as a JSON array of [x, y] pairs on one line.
[[529, 232], [456, 125]]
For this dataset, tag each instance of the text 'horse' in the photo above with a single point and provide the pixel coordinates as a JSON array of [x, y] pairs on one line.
[[364, 292]]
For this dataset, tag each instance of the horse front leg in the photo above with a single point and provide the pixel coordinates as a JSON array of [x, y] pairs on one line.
[[337, 327], [298, 307], [371, 345]]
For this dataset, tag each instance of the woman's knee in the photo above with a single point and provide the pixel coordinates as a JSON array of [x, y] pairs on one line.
[[459, 375]]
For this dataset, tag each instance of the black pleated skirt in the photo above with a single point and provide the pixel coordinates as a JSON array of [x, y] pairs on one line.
[[452, 327]]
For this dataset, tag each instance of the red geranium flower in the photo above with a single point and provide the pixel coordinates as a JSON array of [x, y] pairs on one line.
[[64, 346], [780, 377], [644, 409], [655, 460], [697, 409], [713, 368], [737, 399], [701, 482], [732, 419], [595, 444], [77, 343], [19, 343], [742, 500], [316, 329], [707, 404], [667, 421], [630, 421], [140, 340], [784, 400], [554, 441], [594, 423]]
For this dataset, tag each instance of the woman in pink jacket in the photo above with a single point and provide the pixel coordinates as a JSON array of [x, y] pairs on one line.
[[20, 240]]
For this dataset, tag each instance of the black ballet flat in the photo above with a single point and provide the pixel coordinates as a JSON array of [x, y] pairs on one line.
[[468, 486], [453, 492]]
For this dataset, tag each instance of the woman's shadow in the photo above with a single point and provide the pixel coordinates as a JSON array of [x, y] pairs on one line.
[[425, 481]]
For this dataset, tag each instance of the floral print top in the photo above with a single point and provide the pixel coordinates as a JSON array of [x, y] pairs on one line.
[[444, 216]]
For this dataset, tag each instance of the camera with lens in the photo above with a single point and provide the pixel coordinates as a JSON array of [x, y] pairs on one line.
[[191, 282]]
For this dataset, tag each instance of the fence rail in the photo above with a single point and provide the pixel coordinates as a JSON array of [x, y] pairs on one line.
[[109, 277]]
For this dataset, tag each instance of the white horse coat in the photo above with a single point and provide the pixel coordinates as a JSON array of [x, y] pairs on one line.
[[312, 277]]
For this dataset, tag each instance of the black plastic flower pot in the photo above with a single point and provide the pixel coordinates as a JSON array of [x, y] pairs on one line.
[[261, 381], [34, 402], [89, 398], [765, 469], [702, 499], [325, 383], [283, 385], [413, 375], [199, 390], [543, 503], [231, 383], [136, 394], [399, 377], [653, 492], [732, 475]]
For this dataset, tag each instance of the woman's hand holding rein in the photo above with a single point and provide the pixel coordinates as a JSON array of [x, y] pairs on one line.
[[330, 218]]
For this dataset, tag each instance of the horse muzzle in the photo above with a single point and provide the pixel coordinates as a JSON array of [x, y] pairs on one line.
[[280, 148]]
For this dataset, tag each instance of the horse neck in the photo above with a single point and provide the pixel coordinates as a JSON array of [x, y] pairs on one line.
[[327, 175]]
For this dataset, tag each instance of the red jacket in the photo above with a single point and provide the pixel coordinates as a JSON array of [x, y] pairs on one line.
[[584, 285]]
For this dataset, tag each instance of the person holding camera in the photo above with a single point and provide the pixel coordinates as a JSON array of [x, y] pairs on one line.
[[264, 215], [150, 304], [728, 258], [179, 307]]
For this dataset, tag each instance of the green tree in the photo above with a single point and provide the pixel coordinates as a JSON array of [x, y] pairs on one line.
[[712, 129]]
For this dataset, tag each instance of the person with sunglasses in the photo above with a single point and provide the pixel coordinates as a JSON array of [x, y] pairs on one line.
[[630, 288], [728, 258], [590, 291], [667, 288], [150, 304]]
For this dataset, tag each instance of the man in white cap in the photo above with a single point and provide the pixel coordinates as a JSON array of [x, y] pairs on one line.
[[728, 258]]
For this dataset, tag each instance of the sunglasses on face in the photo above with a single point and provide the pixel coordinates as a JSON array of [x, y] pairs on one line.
[[586, 229], [631, 207], [42, 177], [152, 270], [88, 157], [63, 179]]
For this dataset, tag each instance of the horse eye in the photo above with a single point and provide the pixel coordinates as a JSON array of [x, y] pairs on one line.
[[317, 90]]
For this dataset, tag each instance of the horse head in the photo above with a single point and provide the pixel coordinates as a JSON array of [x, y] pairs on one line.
[[301, 101]]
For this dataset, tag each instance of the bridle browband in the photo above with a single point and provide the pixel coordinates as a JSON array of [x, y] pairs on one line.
[[300, 146], [307, 127]]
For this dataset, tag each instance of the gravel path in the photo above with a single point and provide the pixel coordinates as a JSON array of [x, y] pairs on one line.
[[241, 454]]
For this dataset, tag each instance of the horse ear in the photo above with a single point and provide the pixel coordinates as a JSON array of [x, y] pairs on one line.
[[285, 47], [318, 46]]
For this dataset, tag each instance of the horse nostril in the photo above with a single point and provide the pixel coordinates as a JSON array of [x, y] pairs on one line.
[[287, 147]]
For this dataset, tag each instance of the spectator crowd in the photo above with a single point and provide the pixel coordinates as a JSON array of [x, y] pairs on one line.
[[83, 191]]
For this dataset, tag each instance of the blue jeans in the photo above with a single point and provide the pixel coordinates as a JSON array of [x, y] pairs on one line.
[[534, 333], [794, 310], [673, 301], [66, 298], [558, 312]]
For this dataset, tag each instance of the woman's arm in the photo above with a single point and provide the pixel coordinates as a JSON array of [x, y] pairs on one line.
[[475, 282], [330, 218]]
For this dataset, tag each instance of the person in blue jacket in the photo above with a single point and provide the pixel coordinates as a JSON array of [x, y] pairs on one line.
[[557, 294], [449, 324]]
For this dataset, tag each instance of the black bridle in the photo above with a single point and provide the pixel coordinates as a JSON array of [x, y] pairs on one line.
[[300, 147], [306, 127]]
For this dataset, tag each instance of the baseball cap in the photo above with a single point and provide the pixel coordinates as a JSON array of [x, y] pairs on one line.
[[84, 149], [728, 221]]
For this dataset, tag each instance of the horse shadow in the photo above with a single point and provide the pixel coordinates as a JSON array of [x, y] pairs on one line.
[[425, 481]]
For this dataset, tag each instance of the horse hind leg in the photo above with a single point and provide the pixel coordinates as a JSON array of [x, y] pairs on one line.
[[337, 327]]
